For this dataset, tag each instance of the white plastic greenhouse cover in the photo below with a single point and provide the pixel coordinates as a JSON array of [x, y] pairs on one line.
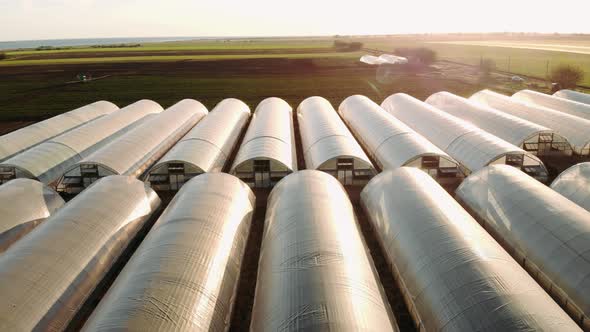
[[544, 231], [315, 273], [189, 263], [48, 161], [559, 104], [473, 147], [329, 146], [267, 153], [135, 151], [372, 60], [206, 148], [573, 95], [453, 275], [48, 275], [24, 204], [527, 135], [576, 130], [574, 183], [390, 142], [393, 59], [27, 137]]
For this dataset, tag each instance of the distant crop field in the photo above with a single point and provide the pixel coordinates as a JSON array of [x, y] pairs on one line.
[[532, 57], [194, 45], [37, 84], [165, 58]]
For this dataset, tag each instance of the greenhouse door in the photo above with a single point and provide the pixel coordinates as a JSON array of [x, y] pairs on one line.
[[261, 173], [344, 169], [176, 175]]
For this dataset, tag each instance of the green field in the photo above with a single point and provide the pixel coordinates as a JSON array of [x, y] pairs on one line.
[[164, 58], [33, 84], [513, 56]]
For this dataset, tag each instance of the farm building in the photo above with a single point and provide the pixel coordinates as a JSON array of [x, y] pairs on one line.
[[576, 130], [453, 275], [559, 104], [574, 184], [392, 144], [329, 146], [135, 151], [24, 204], [471, 146], [48, 161], [529, 136], [206, 148], [580, 97], [267, 153], [47, 275], [208, 221], [27, 137], [544, 231], [312, 254]]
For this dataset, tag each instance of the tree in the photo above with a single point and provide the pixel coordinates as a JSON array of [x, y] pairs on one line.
[[486, 66], [347, 46], [421, 55], [2, 56], [566, 76]]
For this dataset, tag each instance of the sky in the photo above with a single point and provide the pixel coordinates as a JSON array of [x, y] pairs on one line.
[[59, 19]]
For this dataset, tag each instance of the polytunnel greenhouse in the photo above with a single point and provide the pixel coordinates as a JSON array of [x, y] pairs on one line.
[[48, 161], [392, 144], [393, 59], [29, 136], [48, 275], [573, 96], [453, 275], [24, 204], [471, 146], [545, 232], [206, 148], [207, 221], [315, 272], [135, 151], [559, 104], [576, 130], [372, 60], [529, 136], [329, 146], [574, 184], [267, 153]]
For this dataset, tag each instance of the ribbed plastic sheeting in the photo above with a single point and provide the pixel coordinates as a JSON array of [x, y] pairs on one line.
[[49, 274], [573, 95], [270, 138], [135, 151], [471, 146], [325, 139], [207, 147], [184, 275], [559, 104], [389, 141], [24, 138], [48, 161], [24, 204], [453, 275], [576, 130], [574, 183], [508, 127], [315, 272], [544, 231]]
